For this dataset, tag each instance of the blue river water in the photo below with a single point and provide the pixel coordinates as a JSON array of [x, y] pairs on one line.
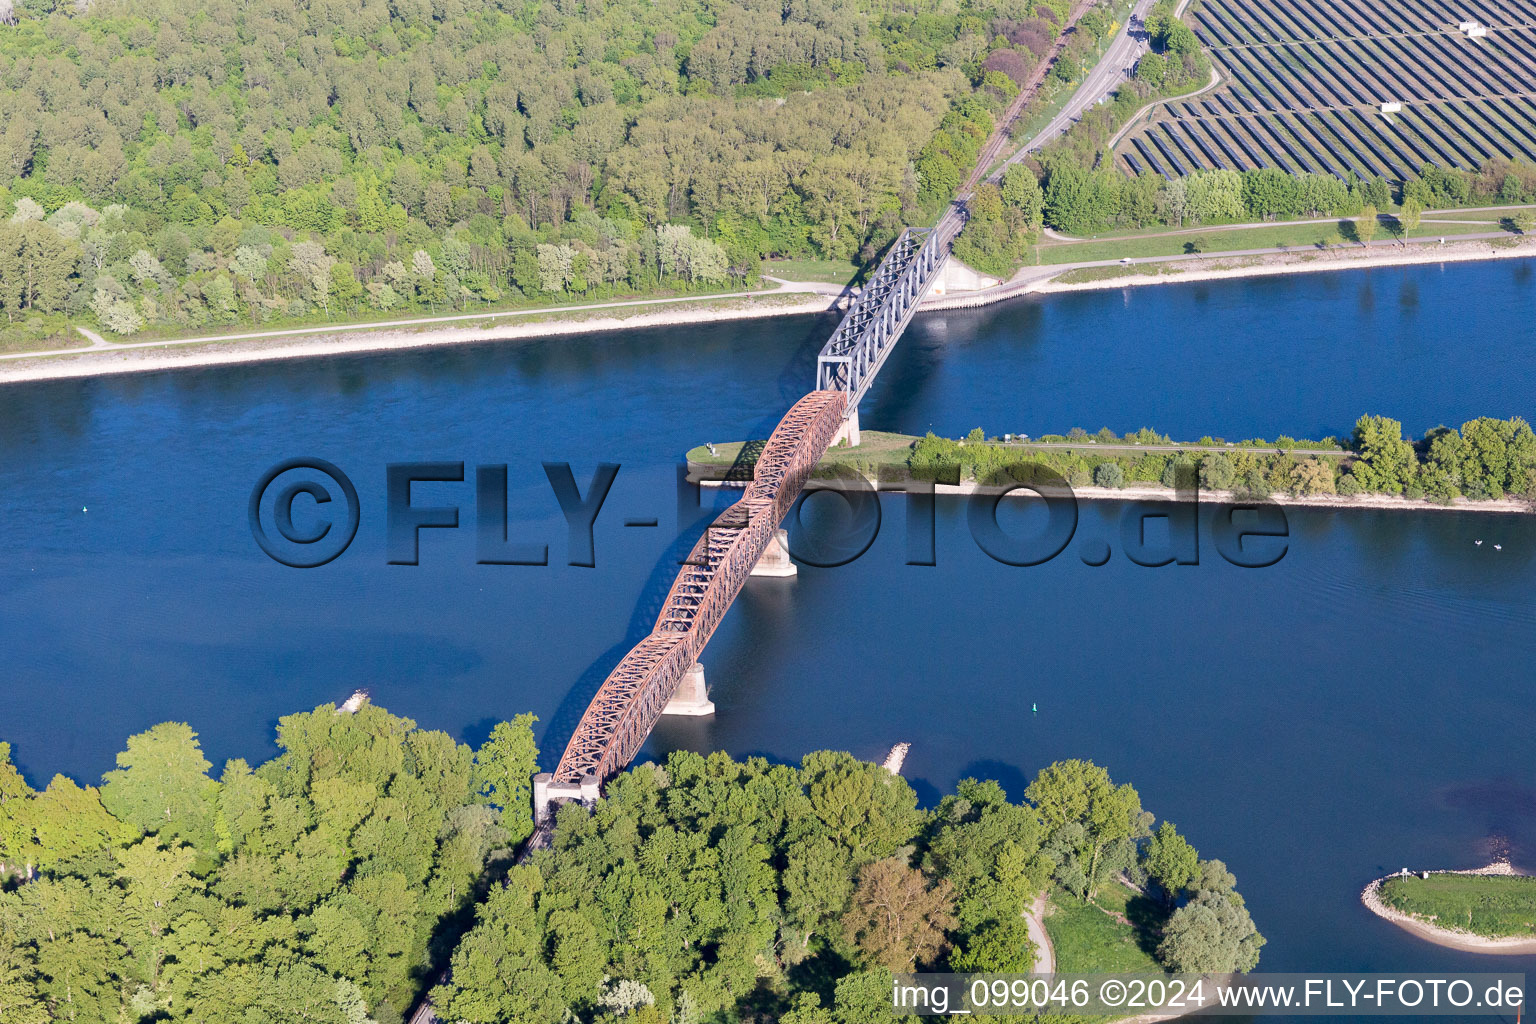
[[1363, 705]]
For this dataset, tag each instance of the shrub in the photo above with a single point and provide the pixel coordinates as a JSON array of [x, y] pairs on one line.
[[1310, 477], [1216, 472], [1109, 474]]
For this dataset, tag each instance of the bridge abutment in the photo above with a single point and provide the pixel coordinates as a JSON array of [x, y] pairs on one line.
[[548, 795], [692, 697], [776, 561], [848, 433]]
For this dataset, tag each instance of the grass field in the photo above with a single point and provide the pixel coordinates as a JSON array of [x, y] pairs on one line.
[[1492, 905], [1217, 239], [1094, 937], [823, 271], [1084, 275], [876, 448]]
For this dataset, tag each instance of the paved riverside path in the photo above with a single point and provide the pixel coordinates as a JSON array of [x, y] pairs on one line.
[[1125, 446]]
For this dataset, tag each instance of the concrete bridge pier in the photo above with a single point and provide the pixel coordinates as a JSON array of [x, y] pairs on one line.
[[848, 433], [548, 795], [776, 561], [692, 698]]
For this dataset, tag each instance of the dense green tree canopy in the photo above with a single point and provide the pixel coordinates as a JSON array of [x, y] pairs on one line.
[[206, 163], [332, 882], [310, 888]]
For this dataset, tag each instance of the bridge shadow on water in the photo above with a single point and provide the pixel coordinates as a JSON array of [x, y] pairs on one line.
[[792, 383]]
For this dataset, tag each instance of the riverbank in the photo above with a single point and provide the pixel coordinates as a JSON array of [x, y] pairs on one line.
[[1218, 267], [1157, 492], [307, 343], [1449, 937], [792, 298], [883, 458]]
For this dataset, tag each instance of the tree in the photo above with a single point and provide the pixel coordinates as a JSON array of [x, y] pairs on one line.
[[557, 266], [436, 206], [1000, 947], [817, 883], [1068, 198], [19, 1001], [345, 285], [1410, 215], [1365, 225], [1170, 861], [27, 209], [1386, 462], [861, 805], [155, 880], [36, 266], [311, 263], [1109, 474], [504, 769], [1524, 221], [898, 919], [1022, 191], [1311, 477], [1217, 472], [1211, 934], [15, 828], [1493, 457], [161, 786], [1081, 794], [220, 296], [72, 831]]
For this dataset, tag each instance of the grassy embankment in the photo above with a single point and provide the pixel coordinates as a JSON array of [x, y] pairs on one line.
[[1216, 239], [1495, 906], [820, 271], [1115, 933], [61, 333]]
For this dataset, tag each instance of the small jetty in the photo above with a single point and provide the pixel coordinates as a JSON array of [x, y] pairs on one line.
[[353, 704], [896, 758]]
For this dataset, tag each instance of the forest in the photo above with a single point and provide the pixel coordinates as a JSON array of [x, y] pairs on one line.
[[709, 889], [312, 887], [334, 882], [182, 167], [191, 165]]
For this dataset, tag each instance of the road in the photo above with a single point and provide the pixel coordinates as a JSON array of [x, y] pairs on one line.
[[1128, 447], [1113, 68]]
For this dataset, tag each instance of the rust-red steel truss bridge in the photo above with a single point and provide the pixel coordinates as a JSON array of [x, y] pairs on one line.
[[630, 700]]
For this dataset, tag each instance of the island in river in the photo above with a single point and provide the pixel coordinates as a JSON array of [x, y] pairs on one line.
[[1485, 910], [1486, 465]]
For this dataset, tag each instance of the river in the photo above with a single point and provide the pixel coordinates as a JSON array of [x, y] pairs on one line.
[[1363, 705]]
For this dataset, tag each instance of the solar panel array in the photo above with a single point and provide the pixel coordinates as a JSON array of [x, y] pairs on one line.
[[1304, 81]]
